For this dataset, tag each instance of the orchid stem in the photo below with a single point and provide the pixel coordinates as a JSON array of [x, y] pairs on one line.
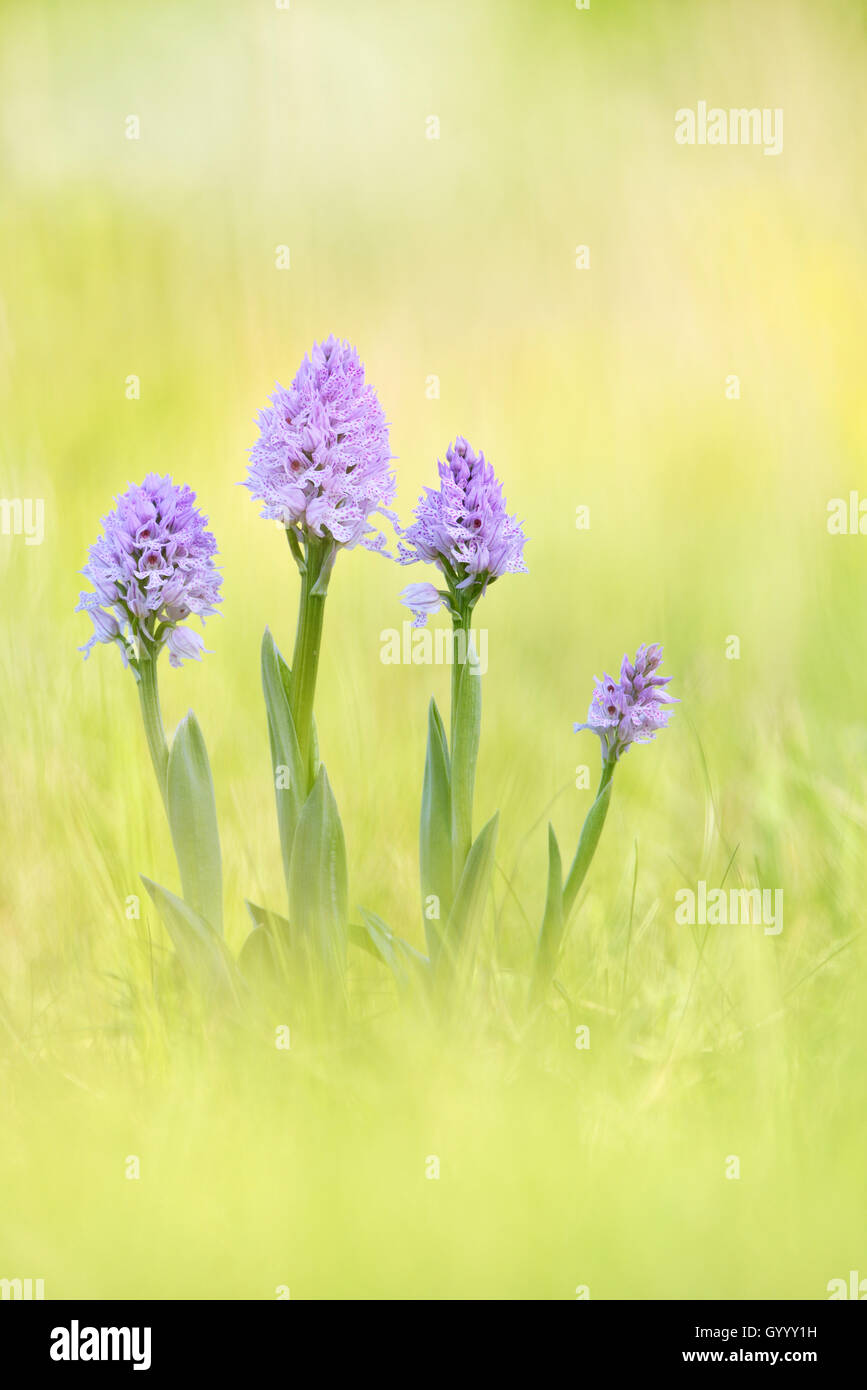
[[149, 699], [308, 642], [464, 743]]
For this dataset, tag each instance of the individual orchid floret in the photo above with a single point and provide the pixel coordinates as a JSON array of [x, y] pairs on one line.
[[631, 709], [185, 644], [464, 528], [423, 600], [152, 568], [321, 462]]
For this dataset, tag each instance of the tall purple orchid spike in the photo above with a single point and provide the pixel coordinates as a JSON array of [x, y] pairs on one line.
[[631, 709], [320, 464], [321, 467], [465, 530]]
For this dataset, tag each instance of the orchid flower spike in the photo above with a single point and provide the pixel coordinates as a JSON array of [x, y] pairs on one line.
[[321, 462], [631, 709], [151, 569], [463, 529]]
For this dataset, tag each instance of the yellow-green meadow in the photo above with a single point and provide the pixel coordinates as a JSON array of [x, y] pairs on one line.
[[658, 344]]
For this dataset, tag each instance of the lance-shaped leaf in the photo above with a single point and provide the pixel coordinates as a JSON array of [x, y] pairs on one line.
[[193, 822], [589, 839], [408, 965], [202, 952], [318, 895], [551, 934], [560, 902], [435, 834], [289, 777], [465, 918], [271, 921], [466, 728], [266, 952]]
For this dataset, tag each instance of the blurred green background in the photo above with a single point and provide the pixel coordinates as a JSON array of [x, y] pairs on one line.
[[604, 387]]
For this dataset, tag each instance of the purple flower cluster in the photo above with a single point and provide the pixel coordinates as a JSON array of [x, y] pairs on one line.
[[463, 528], [631, 709], [152, 568], [321, 460]]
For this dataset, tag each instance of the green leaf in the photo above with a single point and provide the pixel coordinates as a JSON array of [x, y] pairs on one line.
[[264, 917], [289, 778], [466, 728], [465, 918], [560, 898], [551, 934], [589, 839], [407, 964], [258, 961], [266, 953], [435, 832], [201, 951], [193, 822], [318, 894]]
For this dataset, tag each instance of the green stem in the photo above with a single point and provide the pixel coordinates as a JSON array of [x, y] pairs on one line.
[[461, 620], [308, 642], [464, 744], [590, 832], [149, 699]]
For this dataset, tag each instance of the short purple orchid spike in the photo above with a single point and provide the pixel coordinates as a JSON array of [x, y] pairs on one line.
[[631, 709], [320, 464], [151, 569], [464, 528]]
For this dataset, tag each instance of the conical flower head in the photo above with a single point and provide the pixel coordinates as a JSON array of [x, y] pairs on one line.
[[320, 463], [152, 567], [631, 709], [463, 527]]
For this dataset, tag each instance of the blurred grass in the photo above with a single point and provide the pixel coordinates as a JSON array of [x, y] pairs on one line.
[[603, 388]]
